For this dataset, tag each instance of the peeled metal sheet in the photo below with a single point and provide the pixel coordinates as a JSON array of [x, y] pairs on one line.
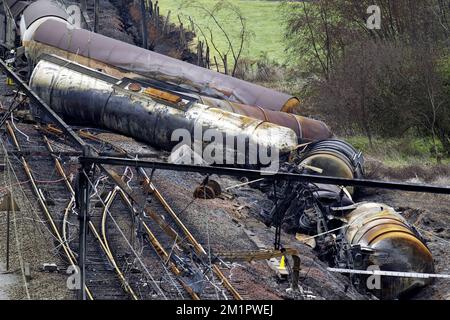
[[41, 9], [151, 64]]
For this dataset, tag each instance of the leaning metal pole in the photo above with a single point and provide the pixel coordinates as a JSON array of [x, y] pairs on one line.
[[35, 99], [83, 217]]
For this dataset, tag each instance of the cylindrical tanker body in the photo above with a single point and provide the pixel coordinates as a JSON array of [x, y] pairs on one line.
[[45, 29], [396, 247], [101, 49], [334, 158], [307, 129], [83, 94], [39, 12]]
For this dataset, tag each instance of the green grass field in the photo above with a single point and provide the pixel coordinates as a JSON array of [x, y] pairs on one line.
[[263, 19], [399, 152]]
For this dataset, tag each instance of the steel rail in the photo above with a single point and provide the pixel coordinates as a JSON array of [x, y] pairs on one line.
[[164, 225], [128, 191], [153, 240], [72, 199], [65, 223], [151, 236], [34, 98], [158, 219], [237, 172], [43, 206], [127, 194], [226, 283], [103, 242], [162, 253], [197, 246], [68, 130]]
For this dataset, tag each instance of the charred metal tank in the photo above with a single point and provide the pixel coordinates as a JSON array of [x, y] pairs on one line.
[[147, 114], [98, 50], [307, 129], [333, 158], [394, 245], [45, 29]]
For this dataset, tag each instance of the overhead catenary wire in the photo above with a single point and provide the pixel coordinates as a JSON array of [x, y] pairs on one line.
[[18, 130], [208, 268], [39, 192], [54, 229], [166, 261], [16, 236], [155, 284], [209, 255], [28, 203], [109, 200], [188, 237], [97, 183]]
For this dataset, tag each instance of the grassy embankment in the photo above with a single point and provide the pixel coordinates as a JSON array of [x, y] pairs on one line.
[[263, 19]]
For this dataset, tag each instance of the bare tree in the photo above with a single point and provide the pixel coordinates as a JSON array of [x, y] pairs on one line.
[[215, 26], [381, 82]]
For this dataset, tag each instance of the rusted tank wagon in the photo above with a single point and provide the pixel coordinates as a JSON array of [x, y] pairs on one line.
[[82, 94], [53, 34], [395, 244], [307, 129], [130, 58]]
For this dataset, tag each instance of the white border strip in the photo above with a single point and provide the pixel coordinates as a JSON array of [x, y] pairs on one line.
[[391, 273]]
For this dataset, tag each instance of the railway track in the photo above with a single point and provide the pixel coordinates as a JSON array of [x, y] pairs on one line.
[[53, 217], [177, 260], [167, 238], [54, 192], [178, 263], [177, 231]]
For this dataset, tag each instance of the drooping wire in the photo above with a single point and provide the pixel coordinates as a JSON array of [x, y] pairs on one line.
[[155, 284], [16, 235]]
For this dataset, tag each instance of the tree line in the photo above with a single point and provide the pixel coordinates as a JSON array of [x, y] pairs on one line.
[[384, 81]]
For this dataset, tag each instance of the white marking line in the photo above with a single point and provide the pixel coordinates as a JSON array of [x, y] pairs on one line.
[[391, 273]]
